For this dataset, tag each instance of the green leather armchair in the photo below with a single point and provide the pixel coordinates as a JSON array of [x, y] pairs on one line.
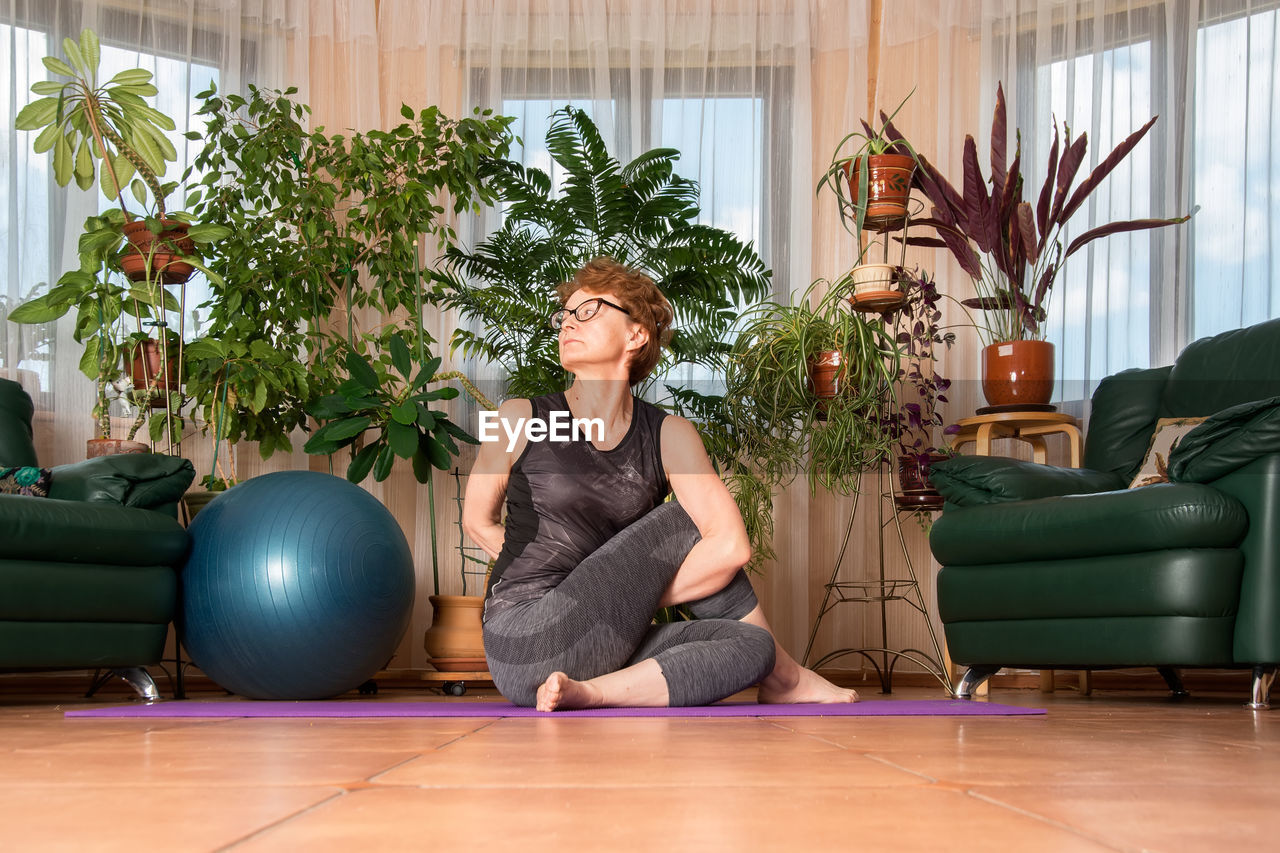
[[88, 575], [1046, 567]]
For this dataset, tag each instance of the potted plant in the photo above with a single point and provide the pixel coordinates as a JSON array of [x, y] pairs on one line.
[[323, 258], [1014, 251], [105, 133], [786, 417], [383, 412], [872, 183], [915, 418]]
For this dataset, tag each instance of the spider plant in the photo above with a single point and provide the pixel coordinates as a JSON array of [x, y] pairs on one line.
[[781, 426], [848, 175]]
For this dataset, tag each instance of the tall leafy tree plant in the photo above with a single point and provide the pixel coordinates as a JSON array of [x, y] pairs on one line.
[[323, 272]]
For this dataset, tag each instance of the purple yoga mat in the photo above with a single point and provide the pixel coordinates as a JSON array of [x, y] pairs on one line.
[[447, 708]]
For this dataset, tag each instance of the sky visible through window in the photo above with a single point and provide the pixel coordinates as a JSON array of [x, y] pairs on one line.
[[1237, 174], [1099, 314]]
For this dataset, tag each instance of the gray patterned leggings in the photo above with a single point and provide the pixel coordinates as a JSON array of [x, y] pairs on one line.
[[599, 620]]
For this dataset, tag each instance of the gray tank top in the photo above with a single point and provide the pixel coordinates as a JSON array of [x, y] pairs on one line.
[[566, 498]]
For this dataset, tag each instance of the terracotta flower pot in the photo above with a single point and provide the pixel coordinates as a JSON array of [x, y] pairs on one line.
[[455, 640], [96, 447], [876, 287], [1018, 373], [826, 374], [171, 244], [147, 365], [888, 188]]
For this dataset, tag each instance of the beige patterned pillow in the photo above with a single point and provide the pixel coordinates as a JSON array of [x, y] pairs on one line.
[[1169, 431]]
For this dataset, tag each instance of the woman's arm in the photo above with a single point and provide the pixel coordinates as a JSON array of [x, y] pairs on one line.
[[724, 547], [487, 482]]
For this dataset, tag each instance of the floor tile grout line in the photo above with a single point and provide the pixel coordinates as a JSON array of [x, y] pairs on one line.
[[1074, 830], [336, 795], [373, 779]]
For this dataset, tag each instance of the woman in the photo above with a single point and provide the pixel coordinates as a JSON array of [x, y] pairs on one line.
[[590, 550]]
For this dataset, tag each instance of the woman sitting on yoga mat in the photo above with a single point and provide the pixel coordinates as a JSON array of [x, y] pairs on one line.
[[590, 551]]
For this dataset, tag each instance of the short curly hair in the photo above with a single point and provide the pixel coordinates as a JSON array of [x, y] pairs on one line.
[[639, 295]]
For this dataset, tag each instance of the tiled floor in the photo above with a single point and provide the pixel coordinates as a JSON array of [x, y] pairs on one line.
[[1113, 771]]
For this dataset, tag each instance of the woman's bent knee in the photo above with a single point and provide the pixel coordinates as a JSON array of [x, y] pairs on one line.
[[763, 650]]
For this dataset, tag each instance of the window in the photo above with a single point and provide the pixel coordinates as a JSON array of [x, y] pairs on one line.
[[1212, 72], [726, 137]]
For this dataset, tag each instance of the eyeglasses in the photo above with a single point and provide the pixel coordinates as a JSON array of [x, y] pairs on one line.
[[583, 312]]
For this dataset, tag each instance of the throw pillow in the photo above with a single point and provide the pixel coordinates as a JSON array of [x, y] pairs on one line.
[[25, 481], [1169, 431]]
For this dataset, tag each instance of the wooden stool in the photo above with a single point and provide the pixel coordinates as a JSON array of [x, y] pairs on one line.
[[1030, 427]]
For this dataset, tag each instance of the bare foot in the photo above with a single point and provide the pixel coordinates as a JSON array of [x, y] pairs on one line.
[[803, 686], [560, 692]]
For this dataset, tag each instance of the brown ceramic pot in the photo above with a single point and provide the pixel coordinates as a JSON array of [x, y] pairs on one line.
[[146, 366], [888, 188], [826, 374], [171, 244], [455, 640], [1018, 373], [913, 473]]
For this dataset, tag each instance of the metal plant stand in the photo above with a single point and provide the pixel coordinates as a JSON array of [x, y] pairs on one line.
[[880, 590]]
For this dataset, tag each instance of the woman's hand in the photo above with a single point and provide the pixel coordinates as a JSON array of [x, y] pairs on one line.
[[725, 546], [487, 482]]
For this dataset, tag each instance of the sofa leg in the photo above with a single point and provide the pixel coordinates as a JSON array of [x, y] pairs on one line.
[[973, 678], [1263, 676], [142, 683], [1174, 680]]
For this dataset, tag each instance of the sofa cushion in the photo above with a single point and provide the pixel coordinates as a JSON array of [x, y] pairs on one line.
[[1122, 416], [975, 480], [41, 591], [145, 480], [1194, 582], [27, 480], [1168, 515], [77, 532], [1225, 370], [1155, 465]]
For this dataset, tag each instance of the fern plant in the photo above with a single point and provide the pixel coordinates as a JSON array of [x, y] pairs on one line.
[[641, 214]]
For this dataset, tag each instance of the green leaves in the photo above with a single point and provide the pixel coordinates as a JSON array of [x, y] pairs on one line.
[[318, 224], [89, 127], [641, 213]]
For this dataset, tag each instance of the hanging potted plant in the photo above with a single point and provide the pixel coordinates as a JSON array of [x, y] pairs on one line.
[[105, 133], [872, 183], [1014, 251], [785, 418]]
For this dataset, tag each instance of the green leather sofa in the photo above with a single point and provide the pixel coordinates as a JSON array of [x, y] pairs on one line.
[[88, 575], [1046, 567]]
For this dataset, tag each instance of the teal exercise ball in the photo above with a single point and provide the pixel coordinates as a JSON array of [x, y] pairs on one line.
[[299, 585]]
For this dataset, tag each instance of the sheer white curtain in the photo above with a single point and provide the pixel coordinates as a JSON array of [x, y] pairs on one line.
[[186, 44], [1209, 69]]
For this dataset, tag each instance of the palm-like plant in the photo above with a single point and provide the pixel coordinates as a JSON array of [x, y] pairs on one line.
[[641, 214]]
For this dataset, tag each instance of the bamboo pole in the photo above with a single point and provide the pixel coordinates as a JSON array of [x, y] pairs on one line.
[[875, 17]]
